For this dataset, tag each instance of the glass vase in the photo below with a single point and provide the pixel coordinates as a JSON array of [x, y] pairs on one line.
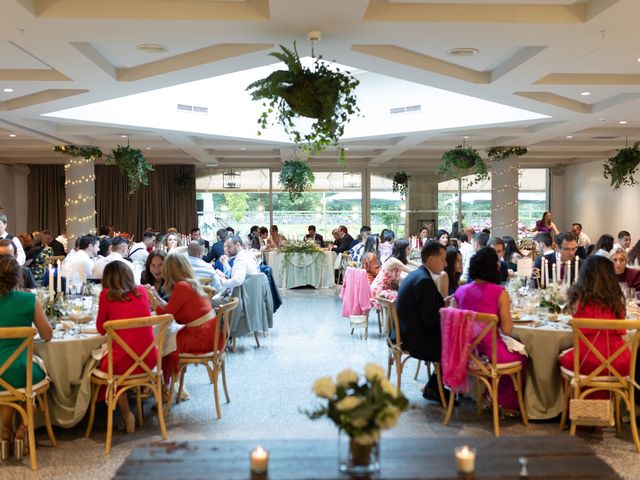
[[355, 459]]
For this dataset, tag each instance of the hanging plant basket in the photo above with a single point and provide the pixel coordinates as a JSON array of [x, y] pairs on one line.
[[132, 162], [622, 168], [295, 177], [185, 183], [462, 161], [75, 151], [320, 93], [401, 183], [499, 153]]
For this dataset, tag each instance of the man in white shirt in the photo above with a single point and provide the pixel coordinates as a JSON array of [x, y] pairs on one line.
[[583, 238], [4, 235], [119, 247], [624, 241], [81, 264], [479, 241], [140, 251], [465, 247], [244, 263], [202, 269]]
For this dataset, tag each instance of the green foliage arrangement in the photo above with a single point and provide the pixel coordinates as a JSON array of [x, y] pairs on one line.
[[295, 177], [75, 151], [300, 247], [500, 152], [462, 161], [132, 162], [401, 183], [319, 93], [622, 168], [185, 183]]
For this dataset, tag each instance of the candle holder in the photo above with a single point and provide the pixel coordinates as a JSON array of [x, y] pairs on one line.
[[465, 459], [259, 461]]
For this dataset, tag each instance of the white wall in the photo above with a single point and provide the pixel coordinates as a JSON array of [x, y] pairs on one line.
[[589, 199], [13, 196]]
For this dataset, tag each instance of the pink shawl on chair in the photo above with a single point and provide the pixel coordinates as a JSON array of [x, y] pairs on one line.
[[456, 328]]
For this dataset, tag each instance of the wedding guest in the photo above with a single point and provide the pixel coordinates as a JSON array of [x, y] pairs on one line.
[[356, 248], [457, 227], [17, 309], [140, 251], [370, 260], [511, 253], [478, 241], [418, 303], [62, 239], [387, 282], [4, 235], [170, 241], [465, 247], [37, 259], [387, 237], [442, 236], [313, 236], [195, 235], [244, 263], [485, 295], [545, 225], [453, 269], [119, 247], [104, 247], [499, 246], [624, 240], [82, 261], [26, 281], [583, 238], [275, 239], [630, 276], [423, 236], [202, 269], [152, 273], [597, 294], [121, 299], [343, 241], [604, 246], [217, 249], [634, 255], [26, 241]]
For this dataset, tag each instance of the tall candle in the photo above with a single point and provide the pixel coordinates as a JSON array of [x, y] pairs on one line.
[[59, 278], [542, 272], [577, 268], [554, 273], [50, 281], [567, 273], [546, 272], [559, 269]]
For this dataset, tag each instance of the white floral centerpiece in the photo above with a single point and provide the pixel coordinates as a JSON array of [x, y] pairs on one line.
[[361, 407]]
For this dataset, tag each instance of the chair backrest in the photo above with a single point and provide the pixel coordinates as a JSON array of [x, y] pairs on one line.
[[113, 327], [221, 330], [205, 280], [17, 333], [392, 324], [607, 359], [210, 291], [55, 258]]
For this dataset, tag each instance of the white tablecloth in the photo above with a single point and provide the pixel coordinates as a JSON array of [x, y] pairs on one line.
[[299, 270]]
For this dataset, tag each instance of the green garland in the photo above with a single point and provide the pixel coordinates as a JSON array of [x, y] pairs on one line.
[[401, 183], [500, 153], [462, 161], [622, 168], [319, 93], [75, 151], [132, 162], [295, 177], [300, 247]]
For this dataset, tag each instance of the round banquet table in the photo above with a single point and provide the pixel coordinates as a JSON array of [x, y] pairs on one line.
[[543, 385], [301, 269]]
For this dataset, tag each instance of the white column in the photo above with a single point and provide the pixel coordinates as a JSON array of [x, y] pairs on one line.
[[21, 190], [504, 197], [80, 196]]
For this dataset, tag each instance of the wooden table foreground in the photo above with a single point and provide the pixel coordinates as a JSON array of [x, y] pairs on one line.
[[557, 456]]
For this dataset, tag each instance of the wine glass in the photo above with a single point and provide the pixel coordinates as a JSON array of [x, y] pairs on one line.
[[562, 299]]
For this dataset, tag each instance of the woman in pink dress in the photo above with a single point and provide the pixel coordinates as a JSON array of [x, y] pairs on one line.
[[485, 295], [387, 282]]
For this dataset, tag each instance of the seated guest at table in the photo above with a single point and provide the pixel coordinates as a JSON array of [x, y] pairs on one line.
[[418, 304], [190, 306], [634, 255], [55, 245], [544, 244], [83, 260], [624, 240], [453, 269], [485, 295], [4, 235], [583, 238], [263, 233], [387, 237], [121, 299], [545, 225], [217, 249], [478, 240], [152, 273], [442, 236], [370, 260], [140, 251], [230, 231], [196, 235], [356, 248], [603, 246], [511, 253], [387, 281], [499, 246], [104, 248], [170, 241], [119, 247], [597, 294], [202, 269], [313, 236], [244, 263], [17, 309], [63, 240], [26, 241], [630, 276], [343, 240], [37, 259], [423, 236], [25, 277], [275, 239], [253, 238]]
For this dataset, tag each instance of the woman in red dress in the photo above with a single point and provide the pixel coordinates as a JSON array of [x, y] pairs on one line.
[[597, 294], [121, 299], [190, 306]]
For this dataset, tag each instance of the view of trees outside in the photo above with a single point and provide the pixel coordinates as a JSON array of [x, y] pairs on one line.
[[388, 210], [476, 201]]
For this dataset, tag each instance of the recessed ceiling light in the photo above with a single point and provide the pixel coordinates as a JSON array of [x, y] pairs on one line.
[[585, 94], [243, 148], [151, 48], [148, 148], [346, 149], [622, 122], [465, 137], [12, 135], [7, 90], [569, 136], [463, 52], [124, 136]]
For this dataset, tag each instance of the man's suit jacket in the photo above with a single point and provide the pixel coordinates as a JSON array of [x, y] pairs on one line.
[[58, 249], [418, 304], [318, 239], [343, 244], [217, 250]]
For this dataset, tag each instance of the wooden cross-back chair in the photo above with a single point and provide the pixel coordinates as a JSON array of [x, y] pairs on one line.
[[22, 399], [214, 361], [606, 377], [117, 385], [488, 372], [397, 356], [205, 280], [54, 258]]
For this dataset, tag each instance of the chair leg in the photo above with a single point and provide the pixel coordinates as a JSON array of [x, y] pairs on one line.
[[379, 314], [398, 372], [32, 436], [47, 419], [494, 405], [618, 421], [255, 334], [566, 394], [215, 392], [110, 408], [171, 387], [415, 377], [517, 383], [632, 416], [92, 409], [390, 359], [443, 399], [139, 406], [224, 381], [479, 394], [183, 370], [352, 331], [447, 417], [157, 392]]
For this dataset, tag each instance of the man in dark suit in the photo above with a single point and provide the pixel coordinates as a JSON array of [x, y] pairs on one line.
[[342, 245], [312, 235], [195, 236], [217, 249], [418, 304], [499, 246], [56, 246], [26, 280], [566, 249]]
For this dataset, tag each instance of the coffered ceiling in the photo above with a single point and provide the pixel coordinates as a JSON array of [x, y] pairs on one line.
[[542, 56]]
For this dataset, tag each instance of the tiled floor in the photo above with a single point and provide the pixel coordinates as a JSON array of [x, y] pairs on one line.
[[271, 384]]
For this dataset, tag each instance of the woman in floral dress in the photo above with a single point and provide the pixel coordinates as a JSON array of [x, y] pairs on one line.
[[387, 282]]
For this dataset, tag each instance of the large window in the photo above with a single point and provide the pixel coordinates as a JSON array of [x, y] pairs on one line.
[[388, 210]]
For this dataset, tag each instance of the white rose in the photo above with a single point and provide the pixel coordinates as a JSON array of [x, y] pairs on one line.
[[388, 388], [324, 387], [367, 439], [347, 377], [359, 422], [348, 403], [388, 418], [371, 371]]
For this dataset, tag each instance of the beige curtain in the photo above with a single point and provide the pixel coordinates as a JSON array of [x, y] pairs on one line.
[[158, 205], [46, 198]]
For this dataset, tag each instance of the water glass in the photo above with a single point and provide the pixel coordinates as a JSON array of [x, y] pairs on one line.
[[542, 313]]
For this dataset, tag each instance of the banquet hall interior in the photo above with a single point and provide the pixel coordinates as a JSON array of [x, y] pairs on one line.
[[544, 93]]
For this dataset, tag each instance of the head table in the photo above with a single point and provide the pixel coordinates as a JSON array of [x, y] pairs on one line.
[[302, 269]]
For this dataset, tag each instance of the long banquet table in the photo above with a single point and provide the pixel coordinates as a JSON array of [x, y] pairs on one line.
[[302, 269]]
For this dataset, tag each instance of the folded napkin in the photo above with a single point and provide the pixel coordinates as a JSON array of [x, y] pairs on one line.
[[514, 345]]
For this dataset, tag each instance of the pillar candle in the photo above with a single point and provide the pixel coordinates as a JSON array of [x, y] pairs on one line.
[[59, 278], [554, 273], [542, 272], [559, 269], [577, 268], [50, 281], [567, 273], [546, 273]]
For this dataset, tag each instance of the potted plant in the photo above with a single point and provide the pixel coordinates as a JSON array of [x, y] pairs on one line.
[[401, 183], [622, 168], [320, 93], [185, 183], [500, 152], [360, 407], [295, 177], [132, 162], [462, 161]]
